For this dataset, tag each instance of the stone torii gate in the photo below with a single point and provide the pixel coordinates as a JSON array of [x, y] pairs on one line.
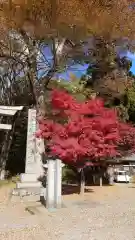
[[34, 166], [7, 111]]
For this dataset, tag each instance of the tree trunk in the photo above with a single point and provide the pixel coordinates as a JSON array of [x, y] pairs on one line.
[[94, 179], [3, 155], [6, 148], [101, 181], [111, 175], [38, 88], [32, 63], [82, 182]]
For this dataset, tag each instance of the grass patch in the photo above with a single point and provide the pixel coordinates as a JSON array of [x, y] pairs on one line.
[[9, 182], [4, 183]]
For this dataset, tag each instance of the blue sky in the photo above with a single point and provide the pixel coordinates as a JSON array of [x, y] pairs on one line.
[[46, 62], [131, 56], [77, 69]]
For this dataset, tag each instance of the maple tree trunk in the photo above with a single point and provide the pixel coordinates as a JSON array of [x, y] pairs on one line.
[[111, 175], [82, 182]]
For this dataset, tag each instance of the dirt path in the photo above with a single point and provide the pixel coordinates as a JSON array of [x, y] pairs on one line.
[[105, 213]]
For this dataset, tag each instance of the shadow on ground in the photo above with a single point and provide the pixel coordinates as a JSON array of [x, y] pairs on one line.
[[68, 189]]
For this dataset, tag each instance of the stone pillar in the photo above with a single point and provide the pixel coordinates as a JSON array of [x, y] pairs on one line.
[[58, 183], [50, 204], [54, 184], [33, 157], [33, 167]]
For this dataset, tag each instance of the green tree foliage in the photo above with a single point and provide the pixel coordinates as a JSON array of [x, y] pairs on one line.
[[73, 86], [108, 74], [69, 175], [130, 95]]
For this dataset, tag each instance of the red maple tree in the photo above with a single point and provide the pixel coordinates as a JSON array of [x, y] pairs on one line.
[[80, 133]]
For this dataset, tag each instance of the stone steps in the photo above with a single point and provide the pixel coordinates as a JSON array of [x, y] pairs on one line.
[[29, 194]]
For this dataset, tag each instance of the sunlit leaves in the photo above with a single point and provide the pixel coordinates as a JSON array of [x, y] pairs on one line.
[[72, 18]]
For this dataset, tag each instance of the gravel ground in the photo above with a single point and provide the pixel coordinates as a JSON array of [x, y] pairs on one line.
[[107, 213]]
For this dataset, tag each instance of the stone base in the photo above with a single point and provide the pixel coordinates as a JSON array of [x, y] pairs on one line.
[[29, 180], [29, 194], [29, 177], [28, 184], [26, 191]]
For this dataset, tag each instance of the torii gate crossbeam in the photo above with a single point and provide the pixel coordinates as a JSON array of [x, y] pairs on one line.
[[8, 111]]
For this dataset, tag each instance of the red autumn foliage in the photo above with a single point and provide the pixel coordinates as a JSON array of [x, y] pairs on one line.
[[87, 131]]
